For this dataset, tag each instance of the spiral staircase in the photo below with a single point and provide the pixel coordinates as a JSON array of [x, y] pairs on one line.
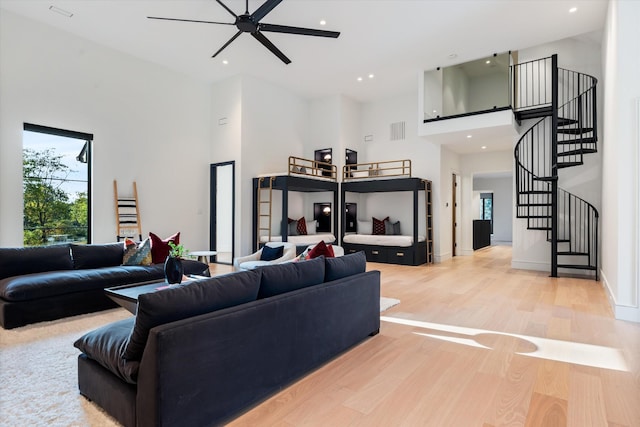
[[564, 101]]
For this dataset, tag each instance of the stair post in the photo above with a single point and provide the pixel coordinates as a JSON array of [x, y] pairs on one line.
[[554, 165]]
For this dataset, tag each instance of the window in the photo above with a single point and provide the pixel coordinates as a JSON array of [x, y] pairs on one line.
[[486, 207], [56, 183]]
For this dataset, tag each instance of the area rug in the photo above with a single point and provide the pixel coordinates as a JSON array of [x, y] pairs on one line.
[[387, 303], [38, 373]]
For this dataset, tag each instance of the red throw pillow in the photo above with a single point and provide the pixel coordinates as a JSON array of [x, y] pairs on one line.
[[160, 248], [378, 225], [321, 249], [302, 227]]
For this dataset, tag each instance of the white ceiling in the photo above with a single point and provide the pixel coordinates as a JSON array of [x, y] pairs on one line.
[[394, 39]]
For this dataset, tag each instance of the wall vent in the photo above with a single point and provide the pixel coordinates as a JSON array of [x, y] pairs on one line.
[[397, 131]]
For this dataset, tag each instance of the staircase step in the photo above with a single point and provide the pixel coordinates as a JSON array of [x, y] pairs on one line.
[[569, 164], [564, 121], [560, 240], [535, 192], [545, 178], [533, 113], [539, 228], [577, 266], [572, 253], [578, 151], [534, 204], [538, 216], [585, 140], [575, 131]]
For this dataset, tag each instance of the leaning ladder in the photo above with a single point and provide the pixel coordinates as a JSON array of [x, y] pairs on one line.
[[261, 215], [127, 214]]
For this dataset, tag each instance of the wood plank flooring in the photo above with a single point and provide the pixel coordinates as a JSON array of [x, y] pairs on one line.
[[475, 343]]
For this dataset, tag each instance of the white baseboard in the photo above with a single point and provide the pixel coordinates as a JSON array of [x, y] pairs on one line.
[[620, 312], [529, 265], [443, 257]]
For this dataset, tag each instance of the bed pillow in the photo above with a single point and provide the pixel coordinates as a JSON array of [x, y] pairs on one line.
[[302, 227], [388, 227], [137, 254], [364, 227], [312, 227], [293, 227], [396, 228], [269, 254], [160, 247], [378, 226]]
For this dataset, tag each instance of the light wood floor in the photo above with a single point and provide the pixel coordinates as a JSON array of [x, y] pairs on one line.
[[475, 343]]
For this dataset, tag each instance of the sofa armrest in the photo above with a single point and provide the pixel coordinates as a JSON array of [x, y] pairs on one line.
[[253, 257]]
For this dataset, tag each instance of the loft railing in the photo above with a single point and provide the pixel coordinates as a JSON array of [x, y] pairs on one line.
[[385, 169], [531, 84], [312, 168]]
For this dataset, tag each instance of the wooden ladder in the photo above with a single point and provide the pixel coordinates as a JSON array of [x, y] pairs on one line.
[[127, 214], [429, 218], [261, 215]]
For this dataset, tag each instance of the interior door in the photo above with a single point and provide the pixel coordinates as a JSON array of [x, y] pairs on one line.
[[222, 212]]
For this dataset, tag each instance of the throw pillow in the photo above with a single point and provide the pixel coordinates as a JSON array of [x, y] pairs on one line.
[[160, 247], [378, 225], [280, 278], [364, 227], [321, 249], [302, 227], [188, 300], [271, 253], [137, 254], [293, 227], [396, 228], [348, 265]]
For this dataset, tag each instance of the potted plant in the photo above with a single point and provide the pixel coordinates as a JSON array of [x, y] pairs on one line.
[[173, 269]]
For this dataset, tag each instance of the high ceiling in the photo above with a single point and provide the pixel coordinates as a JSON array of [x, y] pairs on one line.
[[393, 40]]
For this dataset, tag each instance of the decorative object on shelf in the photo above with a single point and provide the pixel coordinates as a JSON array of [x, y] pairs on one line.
[[173, 269]]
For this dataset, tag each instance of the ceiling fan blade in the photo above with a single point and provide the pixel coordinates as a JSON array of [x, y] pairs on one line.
[[227, 44], [262, 39], [297, 30], [189, 20], [227, 9], [266, 7]]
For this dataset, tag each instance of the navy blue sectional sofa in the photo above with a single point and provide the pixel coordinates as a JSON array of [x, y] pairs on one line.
[[201, 353], [52, 282]]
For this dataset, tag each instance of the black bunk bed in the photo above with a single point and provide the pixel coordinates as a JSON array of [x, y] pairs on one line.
[[420, 252], [300, 178]]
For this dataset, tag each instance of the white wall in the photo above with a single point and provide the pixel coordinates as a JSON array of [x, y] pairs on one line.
[[621, 159], [455, 91], [149, 124], [488, 91], [502, 189], [425, 156]]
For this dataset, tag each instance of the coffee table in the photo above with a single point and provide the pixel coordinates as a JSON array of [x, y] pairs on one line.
[[126, 296]]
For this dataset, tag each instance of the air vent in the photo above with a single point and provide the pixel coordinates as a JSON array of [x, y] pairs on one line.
[[397, 131]]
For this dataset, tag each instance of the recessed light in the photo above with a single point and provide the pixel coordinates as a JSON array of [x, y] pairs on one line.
[[359, 79], [225, 62], [371, 76], [452, 56], [488, 61], [484, 147], [323, 22], [468, 136], [60, 11], [435, 111], [573, 10]]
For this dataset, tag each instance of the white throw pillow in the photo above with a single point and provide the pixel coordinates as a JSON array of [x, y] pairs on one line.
[[365, 227], [312, 226]]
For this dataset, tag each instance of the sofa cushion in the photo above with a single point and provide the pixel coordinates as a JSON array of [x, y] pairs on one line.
[[96, 256], [105, 345], [19, 261], [348, 265], [271, 253], [287, 277], [160, 247], [187, 300]]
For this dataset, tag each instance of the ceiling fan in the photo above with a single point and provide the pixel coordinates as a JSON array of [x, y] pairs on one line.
[[250, 23]]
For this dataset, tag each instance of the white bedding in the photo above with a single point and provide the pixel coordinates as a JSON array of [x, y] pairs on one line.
[[381, 240], [312, 174], [302, 240]]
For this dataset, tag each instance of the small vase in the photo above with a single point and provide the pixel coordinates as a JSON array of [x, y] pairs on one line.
[[173, 270]]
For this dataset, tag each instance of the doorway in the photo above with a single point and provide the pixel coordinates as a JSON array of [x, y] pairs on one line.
[[222, 211], [455, 199]]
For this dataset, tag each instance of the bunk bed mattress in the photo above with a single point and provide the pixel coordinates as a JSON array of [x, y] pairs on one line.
[[308, 239], [381, 240]]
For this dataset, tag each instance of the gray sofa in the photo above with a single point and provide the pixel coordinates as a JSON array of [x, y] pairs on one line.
[[52, 282], [200, 353]]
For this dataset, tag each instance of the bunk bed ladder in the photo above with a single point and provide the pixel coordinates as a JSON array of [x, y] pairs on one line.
[[429, 220], [261, 216], [127, 214]]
